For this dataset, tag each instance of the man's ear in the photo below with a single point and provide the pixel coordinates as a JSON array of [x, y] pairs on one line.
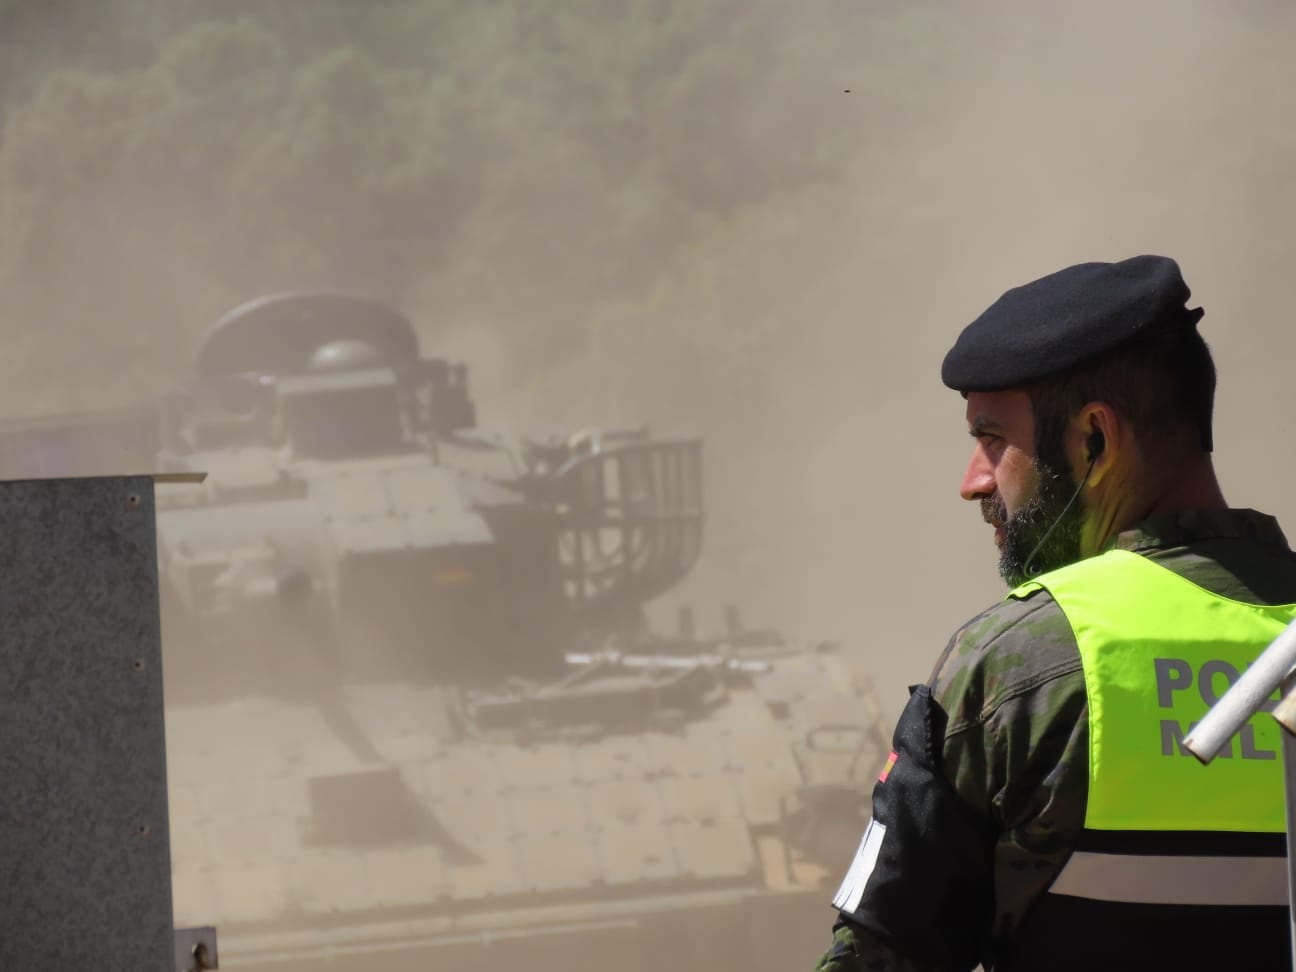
[[1102, 437]]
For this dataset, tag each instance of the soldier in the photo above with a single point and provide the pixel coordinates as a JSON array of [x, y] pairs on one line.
[[1038, 811]]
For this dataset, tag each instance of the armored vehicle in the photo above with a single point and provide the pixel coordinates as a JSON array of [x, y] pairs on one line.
[[416, 715]]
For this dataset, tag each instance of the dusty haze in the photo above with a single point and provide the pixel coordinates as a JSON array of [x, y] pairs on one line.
[[1018, 141], [801, 336], [800, 332]]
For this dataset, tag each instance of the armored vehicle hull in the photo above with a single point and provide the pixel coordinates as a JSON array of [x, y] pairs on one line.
[[415, 713], [700, 837]]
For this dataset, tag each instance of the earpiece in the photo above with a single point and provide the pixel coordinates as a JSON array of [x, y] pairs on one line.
[[1096, 444]]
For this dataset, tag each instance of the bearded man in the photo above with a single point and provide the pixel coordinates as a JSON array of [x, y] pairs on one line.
[[1038, 811]]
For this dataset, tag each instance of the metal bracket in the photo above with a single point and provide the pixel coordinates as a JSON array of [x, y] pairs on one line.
[[195, 949]]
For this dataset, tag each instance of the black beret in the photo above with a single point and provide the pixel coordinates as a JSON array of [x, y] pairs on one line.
[[1051, 324]]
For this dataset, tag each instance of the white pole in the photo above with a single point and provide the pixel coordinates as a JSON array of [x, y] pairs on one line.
[[1245, 698], [1248, 696]]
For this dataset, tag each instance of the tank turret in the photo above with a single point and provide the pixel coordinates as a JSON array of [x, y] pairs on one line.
[[416, 714]]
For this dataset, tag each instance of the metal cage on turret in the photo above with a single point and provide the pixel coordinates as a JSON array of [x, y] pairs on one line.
[[631, 522]]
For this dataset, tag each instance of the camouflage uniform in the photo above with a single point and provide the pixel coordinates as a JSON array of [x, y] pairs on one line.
[[1015, 746]]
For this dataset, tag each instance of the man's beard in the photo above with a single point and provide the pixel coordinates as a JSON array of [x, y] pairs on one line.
[[1050, 516]]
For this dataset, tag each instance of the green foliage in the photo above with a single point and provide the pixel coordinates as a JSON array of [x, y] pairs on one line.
[[161, 160]]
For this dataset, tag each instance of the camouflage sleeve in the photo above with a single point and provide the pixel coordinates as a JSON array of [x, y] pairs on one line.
[[855, 949], [1007, 779], [1016, 743]]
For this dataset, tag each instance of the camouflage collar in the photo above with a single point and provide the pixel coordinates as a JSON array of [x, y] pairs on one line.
[[1191, 526]]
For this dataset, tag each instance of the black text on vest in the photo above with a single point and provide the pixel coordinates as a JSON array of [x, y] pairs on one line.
[[1211, 679]]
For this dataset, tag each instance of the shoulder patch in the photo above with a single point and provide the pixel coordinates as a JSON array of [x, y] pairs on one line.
[[890, 765]]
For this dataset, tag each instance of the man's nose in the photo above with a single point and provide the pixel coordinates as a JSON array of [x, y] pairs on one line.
[[978, 480]]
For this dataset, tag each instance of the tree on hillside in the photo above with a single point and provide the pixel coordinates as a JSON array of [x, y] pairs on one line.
[[161, 160]]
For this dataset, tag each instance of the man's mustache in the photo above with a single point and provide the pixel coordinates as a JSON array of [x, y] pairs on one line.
[[993, 509]]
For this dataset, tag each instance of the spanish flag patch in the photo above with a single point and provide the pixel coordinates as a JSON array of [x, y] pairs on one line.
[[890, 765]]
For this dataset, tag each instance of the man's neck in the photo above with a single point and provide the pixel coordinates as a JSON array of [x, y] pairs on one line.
[[1199, 490], [1191, 486]]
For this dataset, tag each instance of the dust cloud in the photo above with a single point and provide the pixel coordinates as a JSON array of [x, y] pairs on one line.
[[1038, 138], [981, 145], [986, 146]]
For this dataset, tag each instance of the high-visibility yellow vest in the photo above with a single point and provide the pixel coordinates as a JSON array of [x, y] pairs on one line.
[[1158, 651]]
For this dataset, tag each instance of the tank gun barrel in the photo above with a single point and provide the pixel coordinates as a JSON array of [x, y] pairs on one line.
[[667, 661]]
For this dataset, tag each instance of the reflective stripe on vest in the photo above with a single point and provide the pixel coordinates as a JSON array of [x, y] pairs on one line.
[[1157, 652], [1154, 879]]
